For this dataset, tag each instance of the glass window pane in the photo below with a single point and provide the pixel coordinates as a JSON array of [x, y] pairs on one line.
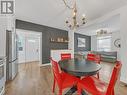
[[104, 43]]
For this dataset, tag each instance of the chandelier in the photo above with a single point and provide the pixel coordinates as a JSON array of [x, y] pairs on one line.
[[73, 23]]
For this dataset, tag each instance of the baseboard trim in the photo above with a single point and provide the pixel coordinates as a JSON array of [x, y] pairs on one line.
[[28, 62], [47, 64], [123, 83]]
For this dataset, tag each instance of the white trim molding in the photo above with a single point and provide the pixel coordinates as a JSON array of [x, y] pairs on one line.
[[46, 64]]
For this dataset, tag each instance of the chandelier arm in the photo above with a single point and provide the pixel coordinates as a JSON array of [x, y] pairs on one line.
[[68, 5], [74, 23]]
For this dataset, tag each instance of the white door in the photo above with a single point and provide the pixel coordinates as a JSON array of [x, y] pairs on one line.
[[32, 49]]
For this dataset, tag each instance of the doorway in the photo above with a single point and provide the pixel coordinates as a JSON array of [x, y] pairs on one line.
[[29, 46], [32, 49]]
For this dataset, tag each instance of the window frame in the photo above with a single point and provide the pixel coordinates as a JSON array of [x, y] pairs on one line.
[[102, 38]]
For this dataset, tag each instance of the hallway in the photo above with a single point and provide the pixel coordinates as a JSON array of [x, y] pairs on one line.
[[33, 80]]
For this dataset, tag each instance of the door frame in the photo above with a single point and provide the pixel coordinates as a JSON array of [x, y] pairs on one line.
[[40, 56]]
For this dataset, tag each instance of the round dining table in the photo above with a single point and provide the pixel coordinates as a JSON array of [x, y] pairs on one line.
[[79, 67]]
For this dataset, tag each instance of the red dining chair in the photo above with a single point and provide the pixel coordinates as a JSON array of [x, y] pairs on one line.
[[62, 79], [95, 86], [91, 57], [65, 56], [95, 58]]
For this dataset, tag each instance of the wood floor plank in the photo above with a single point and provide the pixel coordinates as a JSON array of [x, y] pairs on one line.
[[33, 80]]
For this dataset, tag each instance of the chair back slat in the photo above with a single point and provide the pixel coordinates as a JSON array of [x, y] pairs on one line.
[[56, 71], [65, 56], [91, 57], [114, 77], [94, 57]]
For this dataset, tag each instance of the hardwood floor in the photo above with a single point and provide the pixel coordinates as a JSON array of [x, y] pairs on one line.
[[105, 75], [33, 80]]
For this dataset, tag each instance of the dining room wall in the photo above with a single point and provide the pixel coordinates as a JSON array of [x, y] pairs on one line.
[[123, 32], [3, 25], [93, 43], [123, 49], [115, 35], [87, 42], [47, 34]]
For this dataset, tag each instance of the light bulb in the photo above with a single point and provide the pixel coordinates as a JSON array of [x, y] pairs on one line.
[[83, 15], [70, 25], [67, 21], [84, 22], [74, 13]]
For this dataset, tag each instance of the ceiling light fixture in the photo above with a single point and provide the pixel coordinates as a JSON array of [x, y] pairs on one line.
[[103, 32], [73, 23]]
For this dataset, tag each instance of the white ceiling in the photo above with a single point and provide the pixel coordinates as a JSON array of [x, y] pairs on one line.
[[111, 25], [54, 13]]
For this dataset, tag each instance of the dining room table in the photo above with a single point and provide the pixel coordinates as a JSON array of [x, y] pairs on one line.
[[79, 68]]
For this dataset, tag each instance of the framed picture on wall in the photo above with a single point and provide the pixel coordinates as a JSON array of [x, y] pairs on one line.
[[81, 42]]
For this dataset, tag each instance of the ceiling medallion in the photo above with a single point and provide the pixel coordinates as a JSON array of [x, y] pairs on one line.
[[73, 23]]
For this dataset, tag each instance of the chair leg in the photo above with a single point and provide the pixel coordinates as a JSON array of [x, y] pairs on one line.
[[79, 90], [60, 91], [54, 83], [113, 93], [98, 76]]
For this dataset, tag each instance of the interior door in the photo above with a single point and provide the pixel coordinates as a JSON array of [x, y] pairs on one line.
[[32, 49]]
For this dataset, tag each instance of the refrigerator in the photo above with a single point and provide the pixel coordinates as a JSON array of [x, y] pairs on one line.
[[12, 55]]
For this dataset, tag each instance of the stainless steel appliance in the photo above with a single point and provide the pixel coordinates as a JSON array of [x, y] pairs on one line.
[[1, 69], [12, 55], [2, 75]]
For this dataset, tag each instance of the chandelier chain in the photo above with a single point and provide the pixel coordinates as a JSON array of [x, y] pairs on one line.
[[68, 5]]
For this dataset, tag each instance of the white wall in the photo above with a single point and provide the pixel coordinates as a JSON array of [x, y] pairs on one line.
[[116, 35], [6, 23], [3, 27], [56, 54], [123, 32], [71, 40], [93, 43]]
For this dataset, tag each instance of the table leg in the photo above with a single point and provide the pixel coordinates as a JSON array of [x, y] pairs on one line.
[[84, 93], [71, 91]]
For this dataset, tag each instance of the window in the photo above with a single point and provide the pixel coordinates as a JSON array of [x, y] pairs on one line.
[[104, 43]]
